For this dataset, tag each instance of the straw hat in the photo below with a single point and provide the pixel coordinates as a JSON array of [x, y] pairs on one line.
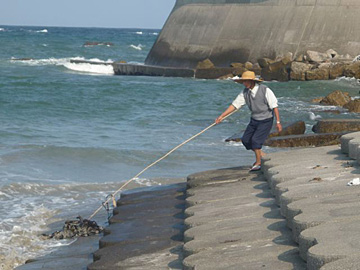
[[247, 76]]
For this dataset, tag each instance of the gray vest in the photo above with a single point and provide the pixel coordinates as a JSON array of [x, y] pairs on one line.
[[258, 105]]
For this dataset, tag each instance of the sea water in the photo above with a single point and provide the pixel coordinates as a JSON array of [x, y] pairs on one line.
[[70, 134]]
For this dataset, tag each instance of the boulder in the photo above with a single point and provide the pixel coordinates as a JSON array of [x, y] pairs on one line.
[[352, 70], [305, 140], [238, 71], [316, 57], [331, 53], [264, 62], [212, 73], [317, 100], [298, 70], [299, 58], [336, 125], [237, 65], [256, 68], [336, 98], [248, 65], [317, 74], [353, 106], [276, 71], [205, 64], [336, 70], [293, 129]]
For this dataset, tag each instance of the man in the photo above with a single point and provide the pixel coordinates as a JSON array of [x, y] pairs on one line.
[[263, 106]]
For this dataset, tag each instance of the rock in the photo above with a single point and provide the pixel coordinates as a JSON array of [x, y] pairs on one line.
[[331, 53], [356, 59], [248, 65], [293, 129], [276, 71], [299, 58], [256, 68], [305, 140], [336, 125], [287, 58], [353, 106], [317, 100], [264, 62], [298, 70], [238, 71], [336, 71], [205, 64], [212, 73], [316, 57], [237, 65], [95, 43], [122, 62], [225, 77], [317, 74], [352, 70], [336, 98]]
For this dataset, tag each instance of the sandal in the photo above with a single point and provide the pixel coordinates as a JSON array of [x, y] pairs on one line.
[[255, 168]]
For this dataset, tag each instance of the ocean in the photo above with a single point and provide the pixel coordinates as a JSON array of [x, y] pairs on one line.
[[71, 134]]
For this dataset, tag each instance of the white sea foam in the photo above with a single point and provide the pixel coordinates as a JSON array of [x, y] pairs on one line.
[[138, 47], [89, 68], [2, 29], [139, 33], [81, 67], [155, 33], [42, 31]]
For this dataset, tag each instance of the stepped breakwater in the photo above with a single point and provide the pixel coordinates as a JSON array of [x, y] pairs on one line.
[[244, 30]]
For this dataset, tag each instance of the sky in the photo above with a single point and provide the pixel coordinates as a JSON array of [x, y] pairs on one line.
[[150, 14]]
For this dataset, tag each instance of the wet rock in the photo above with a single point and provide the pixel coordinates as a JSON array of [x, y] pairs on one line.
[[293, 129], [336, 98], [76, 228], [264, 62], [298, 70], [213, 73], [94, 43], [336, 125], [205, 64], [353, 106], [336, 70], [278, 71], [237, 65], [317, 74], [305, 140], [256, 68], [352, 70], [317, 100]]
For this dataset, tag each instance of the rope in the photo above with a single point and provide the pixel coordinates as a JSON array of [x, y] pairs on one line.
[[112, 196]]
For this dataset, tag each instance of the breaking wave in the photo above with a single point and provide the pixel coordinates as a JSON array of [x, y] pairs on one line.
[[93, 65], [138, 47]]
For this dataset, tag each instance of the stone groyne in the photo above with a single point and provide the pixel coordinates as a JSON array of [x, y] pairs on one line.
[[227, 31]]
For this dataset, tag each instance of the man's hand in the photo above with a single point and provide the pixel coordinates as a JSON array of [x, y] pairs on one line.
[[279, 127], [218, 120]]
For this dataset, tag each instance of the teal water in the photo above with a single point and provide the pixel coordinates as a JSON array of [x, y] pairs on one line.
[[70, 134]]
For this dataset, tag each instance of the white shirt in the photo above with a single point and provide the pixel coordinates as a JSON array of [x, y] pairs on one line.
[[239, 101]]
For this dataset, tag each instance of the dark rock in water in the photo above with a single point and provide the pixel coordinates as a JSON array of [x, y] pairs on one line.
[[336, 125], [352, 70], [276, 71], [336, 70], [90, 43], [293, 129], [336, 98], [212, 73], [305, 140], [353, 106], [76, 228]]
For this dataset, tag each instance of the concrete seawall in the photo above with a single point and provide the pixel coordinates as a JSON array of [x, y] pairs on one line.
[[244, 30]]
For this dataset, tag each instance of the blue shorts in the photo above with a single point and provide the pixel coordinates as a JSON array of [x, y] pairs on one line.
[[256, 133]]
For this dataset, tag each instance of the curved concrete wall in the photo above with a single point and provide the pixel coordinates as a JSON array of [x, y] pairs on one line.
[[244, 30]]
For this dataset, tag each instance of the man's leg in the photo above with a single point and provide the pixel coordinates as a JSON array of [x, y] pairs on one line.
[[259, 137]]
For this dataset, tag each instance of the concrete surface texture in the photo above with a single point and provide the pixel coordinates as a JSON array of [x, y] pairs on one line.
[[228, 31], [311, 188]]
